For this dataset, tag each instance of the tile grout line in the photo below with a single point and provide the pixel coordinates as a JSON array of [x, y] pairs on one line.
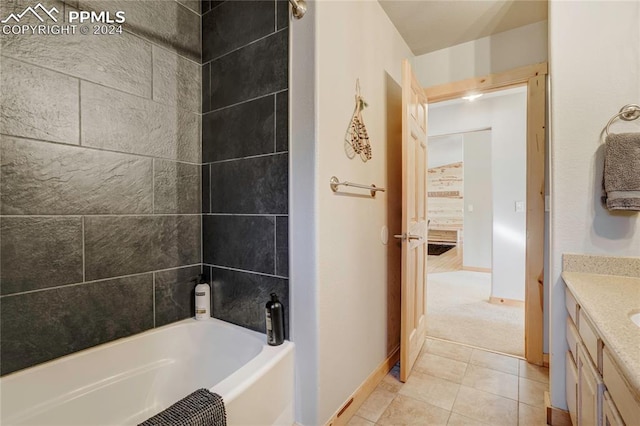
[[84, 267], [275, 122], [92, 148], [101, 215], [153, 296], [248, 214], [101, 280], [153, 186], [254, 41], [210, 190], [275, 245], [249, 157], [246, 271], [79, 113], [245, 101]]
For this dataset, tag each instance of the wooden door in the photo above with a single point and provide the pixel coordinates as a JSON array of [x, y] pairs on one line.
[[413, 327]]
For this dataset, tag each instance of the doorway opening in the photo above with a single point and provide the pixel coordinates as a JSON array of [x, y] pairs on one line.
[[476, 197]]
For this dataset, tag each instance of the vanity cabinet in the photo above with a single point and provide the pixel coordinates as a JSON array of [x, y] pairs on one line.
[[597, 394]]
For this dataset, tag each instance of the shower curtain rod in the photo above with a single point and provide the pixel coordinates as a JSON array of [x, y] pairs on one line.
[[299, 8]]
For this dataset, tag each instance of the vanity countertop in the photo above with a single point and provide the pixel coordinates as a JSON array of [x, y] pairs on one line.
[[608, 300]]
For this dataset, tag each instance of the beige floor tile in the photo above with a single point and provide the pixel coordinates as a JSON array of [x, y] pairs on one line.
[[486, 407], [456, 419], [531, 416], [533, 372], [408, 411], [359, 421], [391, 381], [441, 367], [434, 390], [494, 361], [492, 381], [448, 350], [532, 392], [375, 404]]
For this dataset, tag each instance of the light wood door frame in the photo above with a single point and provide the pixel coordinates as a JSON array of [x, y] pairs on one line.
[[534, 77], [413, 323]]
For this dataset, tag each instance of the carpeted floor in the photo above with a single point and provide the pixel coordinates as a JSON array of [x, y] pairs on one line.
[[458, 309]]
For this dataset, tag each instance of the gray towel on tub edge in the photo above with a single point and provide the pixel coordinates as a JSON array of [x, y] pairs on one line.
[[200, 408], [622, 171]]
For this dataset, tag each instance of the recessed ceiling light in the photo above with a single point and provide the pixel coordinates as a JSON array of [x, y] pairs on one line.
[[472, 98]]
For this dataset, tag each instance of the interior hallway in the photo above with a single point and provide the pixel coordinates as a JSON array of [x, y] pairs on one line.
[[452, 384]]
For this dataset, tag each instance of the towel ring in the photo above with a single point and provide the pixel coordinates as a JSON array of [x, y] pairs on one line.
[[627, 113]]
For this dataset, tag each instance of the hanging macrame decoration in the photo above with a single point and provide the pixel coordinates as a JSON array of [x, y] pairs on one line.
[[357, 138]]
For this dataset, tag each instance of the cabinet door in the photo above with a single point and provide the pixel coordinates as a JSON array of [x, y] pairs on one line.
[[610, 414], [590, 390], [572, 388]]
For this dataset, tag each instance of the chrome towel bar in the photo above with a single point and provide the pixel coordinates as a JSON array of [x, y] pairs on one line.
[[334, 183]]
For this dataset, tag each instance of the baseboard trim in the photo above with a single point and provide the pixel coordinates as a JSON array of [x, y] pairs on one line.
[[475, 269], [507, 302], [556, 416], [353, 403]]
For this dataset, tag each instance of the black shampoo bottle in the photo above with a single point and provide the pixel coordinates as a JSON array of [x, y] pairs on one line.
[[275, 321]]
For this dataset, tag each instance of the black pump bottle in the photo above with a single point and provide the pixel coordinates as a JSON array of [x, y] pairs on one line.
[[275, 321]]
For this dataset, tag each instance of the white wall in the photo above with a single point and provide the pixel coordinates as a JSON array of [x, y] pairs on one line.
[[478, 224], [353, 39], [443, 150], [497, 53], [595, 70], [506, 116]]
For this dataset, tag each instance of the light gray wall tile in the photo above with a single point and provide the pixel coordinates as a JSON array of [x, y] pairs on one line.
[[121, 122], [177, 187], [117, 246], [194, 5], [121, 60], [37, 252], [176, 80], [45, 178], [37, 103], [164, 22]]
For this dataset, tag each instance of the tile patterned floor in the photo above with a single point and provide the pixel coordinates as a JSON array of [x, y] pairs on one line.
[[458, 385]]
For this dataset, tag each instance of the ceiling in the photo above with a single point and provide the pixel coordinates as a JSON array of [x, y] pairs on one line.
[[428, 25]]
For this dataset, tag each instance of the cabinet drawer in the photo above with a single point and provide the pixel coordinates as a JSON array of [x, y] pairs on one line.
[[590, 390], [572, 305], [610, 414], [571, 385], [627, 405], [590, 339], [572, 339]]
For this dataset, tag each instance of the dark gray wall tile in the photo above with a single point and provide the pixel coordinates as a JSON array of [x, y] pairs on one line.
[[176, 187], [205, 6], [240, 297], [282, 121], [239, 131], [37, 103], [242, 242], [206, 190], [174, 294], [255, 70], [45, 178], [283, 13], [39, 252], [176, 80], [117, 246], [122, 61], [234, 24], [44, 325], [143, 126], [282, 246], [206, 88], [252, 185], [164, 22]]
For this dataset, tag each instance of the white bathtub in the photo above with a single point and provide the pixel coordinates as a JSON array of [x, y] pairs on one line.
[[129, 380]]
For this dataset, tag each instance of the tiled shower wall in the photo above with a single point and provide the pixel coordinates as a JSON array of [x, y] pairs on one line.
[[245, 156], [100, 194]]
